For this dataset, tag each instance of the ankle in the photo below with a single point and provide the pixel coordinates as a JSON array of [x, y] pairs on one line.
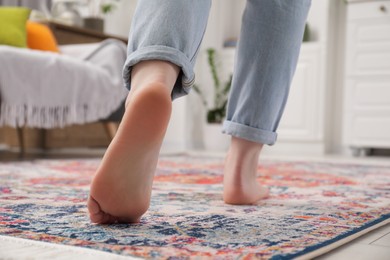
[[154, 72], [242, 160], [241, 149], [150, 88]]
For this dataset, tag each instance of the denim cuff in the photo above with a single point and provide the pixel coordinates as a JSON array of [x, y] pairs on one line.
[[249, 133], [158, 52]]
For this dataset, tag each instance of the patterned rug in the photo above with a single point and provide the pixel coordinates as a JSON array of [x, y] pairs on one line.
[[312, 205]]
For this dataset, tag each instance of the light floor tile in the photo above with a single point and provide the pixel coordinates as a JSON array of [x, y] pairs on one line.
[[372, 236], [383, 241], [358, 252], [368, 247]]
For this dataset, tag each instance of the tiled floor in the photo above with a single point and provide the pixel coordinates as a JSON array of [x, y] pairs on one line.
[[372, 246]]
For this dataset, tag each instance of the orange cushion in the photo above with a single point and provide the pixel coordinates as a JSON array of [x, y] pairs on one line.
[[40, 37]]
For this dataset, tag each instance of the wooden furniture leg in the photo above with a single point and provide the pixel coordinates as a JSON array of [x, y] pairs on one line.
[[43, 138], [111, 128], [22, 147]]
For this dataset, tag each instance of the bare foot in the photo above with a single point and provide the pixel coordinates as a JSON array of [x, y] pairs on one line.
[[121, 188], [240, 184]]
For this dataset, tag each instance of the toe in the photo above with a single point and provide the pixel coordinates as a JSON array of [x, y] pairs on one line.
[[96, 214]]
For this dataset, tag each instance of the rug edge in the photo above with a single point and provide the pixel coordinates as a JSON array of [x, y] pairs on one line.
[[319, 250]]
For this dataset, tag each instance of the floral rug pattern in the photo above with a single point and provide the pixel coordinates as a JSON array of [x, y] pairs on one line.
[[312, 204]]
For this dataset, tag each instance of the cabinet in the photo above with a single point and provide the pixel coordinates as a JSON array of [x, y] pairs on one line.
[[303, 116], [367, 76]]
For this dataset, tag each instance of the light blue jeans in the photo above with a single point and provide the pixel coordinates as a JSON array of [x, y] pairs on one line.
[[267, 54]]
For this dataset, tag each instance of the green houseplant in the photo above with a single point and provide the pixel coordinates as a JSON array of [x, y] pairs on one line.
[[217, 111], [97, 9], [213, 139], [108, 7]]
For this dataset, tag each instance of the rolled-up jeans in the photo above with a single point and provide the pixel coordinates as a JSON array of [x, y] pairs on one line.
[[267, 54]]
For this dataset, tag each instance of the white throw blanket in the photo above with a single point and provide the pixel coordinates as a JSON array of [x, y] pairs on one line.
[[47, 90]]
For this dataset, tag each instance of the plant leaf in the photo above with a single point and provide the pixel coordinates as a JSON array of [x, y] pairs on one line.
[[200, 93]]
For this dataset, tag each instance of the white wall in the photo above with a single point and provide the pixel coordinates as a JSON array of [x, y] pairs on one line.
[[335, 77], [118, 22]]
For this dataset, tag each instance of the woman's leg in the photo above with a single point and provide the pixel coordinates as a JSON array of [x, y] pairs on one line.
[[268, 50], [164, 41]]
